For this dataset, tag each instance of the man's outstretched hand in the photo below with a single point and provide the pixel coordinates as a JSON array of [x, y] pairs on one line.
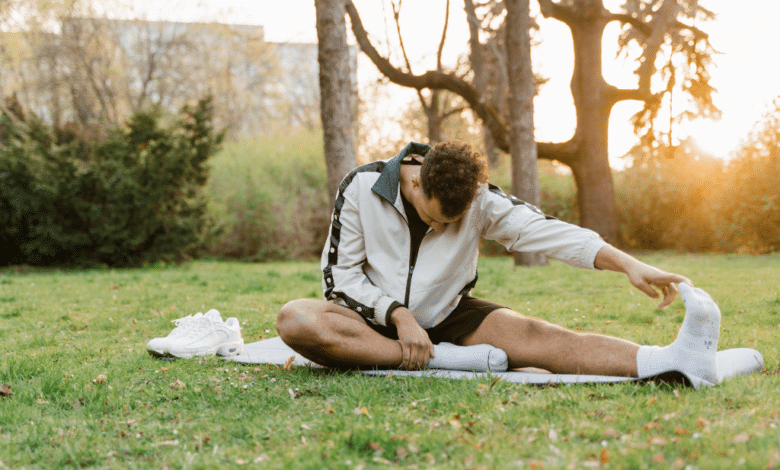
[[654, 282]]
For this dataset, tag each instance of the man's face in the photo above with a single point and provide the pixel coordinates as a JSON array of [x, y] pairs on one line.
[[429, 210]]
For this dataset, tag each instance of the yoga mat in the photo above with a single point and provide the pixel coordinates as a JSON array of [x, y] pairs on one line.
[[731, 363]]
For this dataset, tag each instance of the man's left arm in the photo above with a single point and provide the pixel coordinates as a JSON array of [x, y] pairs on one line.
[[644, 277]]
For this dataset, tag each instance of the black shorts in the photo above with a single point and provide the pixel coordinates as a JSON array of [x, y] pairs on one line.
[[463, 321]]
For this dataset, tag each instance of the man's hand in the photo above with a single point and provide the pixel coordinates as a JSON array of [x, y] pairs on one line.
[[644, 277], [416, 346]]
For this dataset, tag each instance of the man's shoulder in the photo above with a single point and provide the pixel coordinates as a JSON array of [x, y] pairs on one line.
[[374, 168]]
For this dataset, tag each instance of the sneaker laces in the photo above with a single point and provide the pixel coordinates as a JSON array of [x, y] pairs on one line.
[[189, 326]]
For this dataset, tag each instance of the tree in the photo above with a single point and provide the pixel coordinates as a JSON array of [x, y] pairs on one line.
[[95, 71], [336, 92], [650, 24], [522, 145]]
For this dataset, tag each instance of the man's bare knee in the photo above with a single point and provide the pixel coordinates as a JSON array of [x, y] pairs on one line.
[[291, 323]]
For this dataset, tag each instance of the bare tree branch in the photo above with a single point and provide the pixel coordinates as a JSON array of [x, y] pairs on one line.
[[560, 12], [430, 79]]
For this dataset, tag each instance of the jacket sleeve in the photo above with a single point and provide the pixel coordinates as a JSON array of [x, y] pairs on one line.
[[521, 227], [343, 278]]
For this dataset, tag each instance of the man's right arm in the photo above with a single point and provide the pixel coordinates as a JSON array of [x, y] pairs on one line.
[[416, 345]]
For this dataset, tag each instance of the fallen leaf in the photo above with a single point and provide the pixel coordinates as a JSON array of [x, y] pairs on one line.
[[5, 390], [653, 400], [680, 431], [702, 422], [165, 368], [178, 384], [288, 364], [658, 440], [650, 425], [305, 426], [658, 458], [100, 379], [604, 457], [535, 464], [375, 446], [610, 433], [401, 452], [740, 438]]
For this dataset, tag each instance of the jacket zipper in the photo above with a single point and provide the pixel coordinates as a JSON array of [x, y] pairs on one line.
[[412, 264]]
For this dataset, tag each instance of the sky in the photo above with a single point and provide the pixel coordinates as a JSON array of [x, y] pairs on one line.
[[746, 76]]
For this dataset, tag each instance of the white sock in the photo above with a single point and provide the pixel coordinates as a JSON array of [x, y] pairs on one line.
[[480, 357], [694, 351]]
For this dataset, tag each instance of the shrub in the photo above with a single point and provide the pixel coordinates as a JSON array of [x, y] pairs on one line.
[[670, 203], [752, 208], [271, 195], [134, 198]]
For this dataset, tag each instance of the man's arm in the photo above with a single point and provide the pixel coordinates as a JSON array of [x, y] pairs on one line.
[[416, 346], [642, 276]]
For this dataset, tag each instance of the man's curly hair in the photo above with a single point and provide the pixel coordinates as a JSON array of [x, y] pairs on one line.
[[452, 172]]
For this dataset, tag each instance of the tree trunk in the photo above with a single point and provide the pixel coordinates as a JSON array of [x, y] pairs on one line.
[[336, 90], [522, 145], [477, 60], [593, 101]]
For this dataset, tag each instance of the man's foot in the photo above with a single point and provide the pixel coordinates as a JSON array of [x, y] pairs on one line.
[[693, 353], [199, 335], [480, 357]]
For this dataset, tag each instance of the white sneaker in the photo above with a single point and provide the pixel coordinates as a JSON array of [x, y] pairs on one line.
[[200, 335]]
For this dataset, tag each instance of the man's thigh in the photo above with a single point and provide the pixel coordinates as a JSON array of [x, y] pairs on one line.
[[527, 341]]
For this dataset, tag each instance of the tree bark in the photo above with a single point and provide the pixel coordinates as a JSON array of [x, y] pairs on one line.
[[336, 90], [592, 100], [522, 145]]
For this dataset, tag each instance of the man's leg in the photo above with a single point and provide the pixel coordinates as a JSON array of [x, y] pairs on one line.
[[334, 336], [530, 342]]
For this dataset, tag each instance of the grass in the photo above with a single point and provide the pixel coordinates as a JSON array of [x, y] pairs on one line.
[[85, 394]]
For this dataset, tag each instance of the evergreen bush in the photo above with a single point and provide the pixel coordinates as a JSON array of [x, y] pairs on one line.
[[134, 198]]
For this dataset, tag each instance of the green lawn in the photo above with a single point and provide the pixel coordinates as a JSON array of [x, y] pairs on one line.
[[85, 394]]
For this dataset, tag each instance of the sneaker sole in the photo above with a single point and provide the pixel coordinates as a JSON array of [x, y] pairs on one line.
[[227, 349], [231, 349]]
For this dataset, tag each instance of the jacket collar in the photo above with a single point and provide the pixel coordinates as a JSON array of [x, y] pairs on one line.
[[387, 185]]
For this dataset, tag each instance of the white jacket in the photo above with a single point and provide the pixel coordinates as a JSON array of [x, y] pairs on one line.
[[366, 262]]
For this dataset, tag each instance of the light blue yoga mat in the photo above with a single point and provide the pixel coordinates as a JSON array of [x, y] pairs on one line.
[[731, 363]]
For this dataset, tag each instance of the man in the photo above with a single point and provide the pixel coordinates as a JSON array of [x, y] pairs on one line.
[[401, 261]]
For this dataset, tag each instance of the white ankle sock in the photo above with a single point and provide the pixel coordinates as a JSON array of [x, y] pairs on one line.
[[694, 351], [480, 357]]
